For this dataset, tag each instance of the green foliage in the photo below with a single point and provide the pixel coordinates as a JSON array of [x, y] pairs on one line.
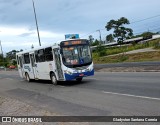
[[91, 39], [136, 57], [1, 57], [110, 38], [9, 59], [101, 50], [114, 59], [119, 31], [102, 53], [157, 44], [95, 43], [122, 58], [14, 62], [147, 35], [134, 43]]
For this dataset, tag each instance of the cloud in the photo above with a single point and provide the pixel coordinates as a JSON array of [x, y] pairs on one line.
[[59, 17], [26, 34], [11, 31]]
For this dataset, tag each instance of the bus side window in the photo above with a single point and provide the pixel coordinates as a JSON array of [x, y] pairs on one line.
[[48, 54], [26, 58], [41, 56]]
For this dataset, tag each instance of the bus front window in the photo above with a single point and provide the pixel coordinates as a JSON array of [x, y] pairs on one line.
[[76, 55]]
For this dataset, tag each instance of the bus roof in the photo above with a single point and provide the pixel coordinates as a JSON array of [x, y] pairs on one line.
[[41, 47]]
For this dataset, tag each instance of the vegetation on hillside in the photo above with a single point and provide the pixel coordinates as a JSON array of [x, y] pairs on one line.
[[137, 57], [10, 58]]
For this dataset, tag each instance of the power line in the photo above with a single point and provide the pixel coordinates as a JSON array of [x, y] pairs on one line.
[[149, 30], [145, 19], [146, 27], [130, 23]]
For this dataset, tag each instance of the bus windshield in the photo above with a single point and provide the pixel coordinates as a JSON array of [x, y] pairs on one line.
[[74, 56]]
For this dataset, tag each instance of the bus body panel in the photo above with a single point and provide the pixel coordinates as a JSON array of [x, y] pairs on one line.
[[63, 72], [43, 70]]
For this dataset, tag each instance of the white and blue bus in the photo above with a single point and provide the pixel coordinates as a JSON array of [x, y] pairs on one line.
[[69, 60]]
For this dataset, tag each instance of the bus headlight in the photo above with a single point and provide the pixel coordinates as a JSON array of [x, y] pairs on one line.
[[68, 72], [88, 69]]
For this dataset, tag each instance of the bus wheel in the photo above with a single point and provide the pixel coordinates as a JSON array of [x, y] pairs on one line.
[[27, 77], [79, 79], [53, 79]]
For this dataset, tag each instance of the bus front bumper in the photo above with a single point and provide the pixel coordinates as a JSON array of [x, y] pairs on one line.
[[78, 75]]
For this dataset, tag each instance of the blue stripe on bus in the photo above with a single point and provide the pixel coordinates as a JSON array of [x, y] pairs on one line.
[[77, 75]]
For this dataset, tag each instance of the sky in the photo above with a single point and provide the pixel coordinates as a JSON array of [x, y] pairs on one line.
[[59, 17]]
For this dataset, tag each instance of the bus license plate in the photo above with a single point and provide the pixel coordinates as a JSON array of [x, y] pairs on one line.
[[81, 74]]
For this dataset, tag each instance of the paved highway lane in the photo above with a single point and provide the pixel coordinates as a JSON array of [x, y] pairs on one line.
[[103, 94]]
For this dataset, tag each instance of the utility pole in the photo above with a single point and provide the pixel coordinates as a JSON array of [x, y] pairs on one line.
[[100, 36], [36, 23]]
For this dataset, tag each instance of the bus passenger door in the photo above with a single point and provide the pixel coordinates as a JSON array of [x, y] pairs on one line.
[[20, 66], [58, 64], [33, 66]]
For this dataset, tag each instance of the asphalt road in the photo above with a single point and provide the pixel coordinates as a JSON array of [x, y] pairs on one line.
[[110, 94]]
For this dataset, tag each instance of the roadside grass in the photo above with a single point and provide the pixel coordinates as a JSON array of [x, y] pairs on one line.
[[137, 57], [115, 50]]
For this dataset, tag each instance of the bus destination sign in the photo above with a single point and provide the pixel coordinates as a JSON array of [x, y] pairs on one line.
[[73, 42]]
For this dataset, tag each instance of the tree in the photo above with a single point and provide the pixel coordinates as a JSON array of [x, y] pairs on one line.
[[91, 39], [110, 38], [120, 32], [147, 35], [21, 50], [14, 62], [95, 43]]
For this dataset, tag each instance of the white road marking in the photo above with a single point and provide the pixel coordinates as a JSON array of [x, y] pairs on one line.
[[144, 97]]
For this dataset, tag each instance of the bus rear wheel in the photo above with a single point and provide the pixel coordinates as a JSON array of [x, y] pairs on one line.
[[79, 79], [53, 79], [27, 77]]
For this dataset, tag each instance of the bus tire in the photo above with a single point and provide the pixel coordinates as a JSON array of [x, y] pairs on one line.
[[27, 77], [79, 79], [53, 79]]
